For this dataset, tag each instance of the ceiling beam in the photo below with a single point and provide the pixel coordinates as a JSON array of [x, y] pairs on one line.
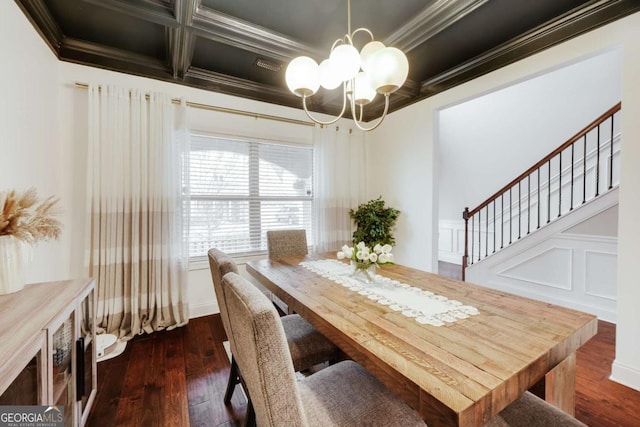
[[156, 11], [181, 41], [94, 54], [433, 19], [223, 28]]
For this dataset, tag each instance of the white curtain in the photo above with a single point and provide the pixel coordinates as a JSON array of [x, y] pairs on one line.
[[137, 238], [340, 184]]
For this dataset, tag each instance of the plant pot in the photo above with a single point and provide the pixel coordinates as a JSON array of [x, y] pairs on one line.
[[365, 272], [15, 256]]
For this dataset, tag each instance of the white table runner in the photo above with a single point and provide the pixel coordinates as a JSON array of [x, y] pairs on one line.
[[426, 307]]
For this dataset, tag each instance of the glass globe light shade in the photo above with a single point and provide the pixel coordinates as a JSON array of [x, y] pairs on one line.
[[328, 78], [390, 70], [363, 93], [345, 61], [303, 76], [367, 53]]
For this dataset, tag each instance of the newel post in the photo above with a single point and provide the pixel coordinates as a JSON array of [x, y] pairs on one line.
[[465, 257]]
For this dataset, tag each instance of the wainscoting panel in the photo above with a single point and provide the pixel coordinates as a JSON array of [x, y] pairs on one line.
[[572, 270], [451, 241], [550, 267], [600, 272]]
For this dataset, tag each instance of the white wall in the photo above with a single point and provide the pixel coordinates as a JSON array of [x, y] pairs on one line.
[[400, 169], [403, 163], [486, 142], [604, 224], [30, 149], [626, 368]]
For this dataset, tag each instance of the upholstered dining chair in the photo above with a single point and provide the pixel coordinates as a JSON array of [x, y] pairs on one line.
[[339, 395], [283, 243], [531, 411], [307, 347]]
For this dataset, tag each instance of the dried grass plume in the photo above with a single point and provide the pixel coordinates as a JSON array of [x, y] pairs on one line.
[[22, 216]]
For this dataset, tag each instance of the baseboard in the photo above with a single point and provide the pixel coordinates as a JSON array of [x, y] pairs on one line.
[[625, 375], [202, 309]]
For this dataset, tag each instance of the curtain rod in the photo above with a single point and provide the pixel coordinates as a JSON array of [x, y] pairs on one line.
[[228, 110]]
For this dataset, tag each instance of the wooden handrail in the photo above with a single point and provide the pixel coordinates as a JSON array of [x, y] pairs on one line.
[[548, 157]]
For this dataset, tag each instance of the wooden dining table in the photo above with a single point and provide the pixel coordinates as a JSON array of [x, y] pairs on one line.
[[458, 374]]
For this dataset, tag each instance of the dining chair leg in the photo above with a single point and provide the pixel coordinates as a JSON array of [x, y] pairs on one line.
[[250, 419], [234, 378]]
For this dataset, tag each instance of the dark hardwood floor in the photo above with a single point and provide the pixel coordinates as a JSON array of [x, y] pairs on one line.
[[178, 378]]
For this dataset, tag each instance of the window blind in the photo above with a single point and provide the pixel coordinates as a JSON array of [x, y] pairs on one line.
[[241, 189]]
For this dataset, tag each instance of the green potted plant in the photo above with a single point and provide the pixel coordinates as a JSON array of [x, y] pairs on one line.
[[374, 223], [372, 240]]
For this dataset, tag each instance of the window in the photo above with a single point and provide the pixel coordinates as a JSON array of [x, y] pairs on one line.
[[241, 189]]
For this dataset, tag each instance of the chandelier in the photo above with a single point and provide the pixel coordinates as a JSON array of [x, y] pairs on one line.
[[375, 69]]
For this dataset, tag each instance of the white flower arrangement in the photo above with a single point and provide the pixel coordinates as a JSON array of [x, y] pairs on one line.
[[362, 254]]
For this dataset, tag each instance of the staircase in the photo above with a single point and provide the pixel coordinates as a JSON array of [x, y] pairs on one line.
[[581, 170]]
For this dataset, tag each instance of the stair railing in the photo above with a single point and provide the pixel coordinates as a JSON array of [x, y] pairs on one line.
[[538, 195]]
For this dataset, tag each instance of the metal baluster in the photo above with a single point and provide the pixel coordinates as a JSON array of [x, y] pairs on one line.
[[539, 202], [479, 234], [549, 194], [502, 221], [519, 211], [584, 170], [473, 223], [494, 226], [560, 185], [572, 150], [611, 156], [529, 204], [598, 163], [486, 238], [510, 214]]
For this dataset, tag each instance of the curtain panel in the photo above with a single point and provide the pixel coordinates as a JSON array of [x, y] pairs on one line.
[[137, 233], [340, 184]]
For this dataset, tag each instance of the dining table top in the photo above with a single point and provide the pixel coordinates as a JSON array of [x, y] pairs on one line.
[[460, 373]]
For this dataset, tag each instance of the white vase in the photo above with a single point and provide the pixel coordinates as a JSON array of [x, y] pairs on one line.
[[15, 256]]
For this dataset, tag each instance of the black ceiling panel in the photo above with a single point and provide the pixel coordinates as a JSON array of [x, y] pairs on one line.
[[319, 23], [480, 31], [228, 60], [89, 22], [242, 47]]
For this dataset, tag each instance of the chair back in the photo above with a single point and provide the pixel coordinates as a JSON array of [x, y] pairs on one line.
[[220, 264], [283, 243], [263, 354]]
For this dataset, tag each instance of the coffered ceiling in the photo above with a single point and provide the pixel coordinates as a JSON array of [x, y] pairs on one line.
[[242, 47]]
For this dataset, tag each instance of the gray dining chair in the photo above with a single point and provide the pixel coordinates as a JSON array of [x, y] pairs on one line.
[[283, 243], [531, 411], [307, 347], [344, 394]]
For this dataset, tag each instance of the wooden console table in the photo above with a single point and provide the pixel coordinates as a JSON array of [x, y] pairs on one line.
[[47, 350]]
